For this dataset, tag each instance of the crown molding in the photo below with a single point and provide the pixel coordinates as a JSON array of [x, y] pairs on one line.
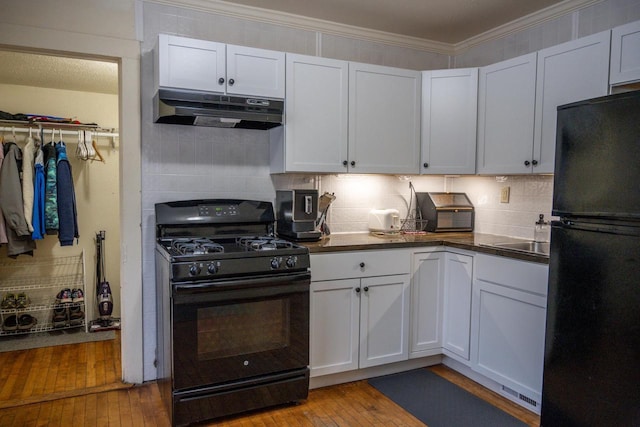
[[310, 24], [528, 21], [289, 20]]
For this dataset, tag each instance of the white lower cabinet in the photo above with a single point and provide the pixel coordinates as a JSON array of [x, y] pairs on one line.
[[508, 324], [427, 284], [456, 327], [384, 320], [362, 320]]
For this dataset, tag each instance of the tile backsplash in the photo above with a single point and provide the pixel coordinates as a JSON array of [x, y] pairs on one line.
[[356, 195]]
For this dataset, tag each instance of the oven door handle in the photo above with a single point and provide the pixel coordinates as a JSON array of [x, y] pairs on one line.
[[263, 286]]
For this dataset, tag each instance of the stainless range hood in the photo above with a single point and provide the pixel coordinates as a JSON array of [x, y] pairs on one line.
[[195, 108]]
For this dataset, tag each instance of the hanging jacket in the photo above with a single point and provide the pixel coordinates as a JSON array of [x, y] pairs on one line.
[[28, 155], [67, 214], [38, 197], [51, 191], [11, 190], [18, 236], [3, 228]]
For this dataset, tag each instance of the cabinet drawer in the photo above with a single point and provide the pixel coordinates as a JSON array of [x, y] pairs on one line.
[[523, 275], [342, 265]]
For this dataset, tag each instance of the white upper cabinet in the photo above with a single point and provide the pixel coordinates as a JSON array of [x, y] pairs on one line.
[[255, 72], [506, 105], [184, 63], [384, 119], [316, 115], [449, 118], [567, 73], [625, 53]]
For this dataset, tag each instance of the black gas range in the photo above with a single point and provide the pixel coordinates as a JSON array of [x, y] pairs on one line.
[[233, 309], [212, 258]]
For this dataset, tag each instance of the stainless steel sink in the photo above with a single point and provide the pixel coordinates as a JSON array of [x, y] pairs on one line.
[[541, 248]]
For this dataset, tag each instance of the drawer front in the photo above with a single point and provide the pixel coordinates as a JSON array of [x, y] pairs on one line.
[[522, 275], [343, 265]]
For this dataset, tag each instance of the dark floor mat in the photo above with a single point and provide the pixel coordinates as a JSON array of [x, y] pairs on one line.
[[440, 403]]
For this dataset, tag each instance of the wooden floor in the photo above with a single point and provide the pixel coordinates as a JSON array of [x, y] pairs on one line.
[[79, 385]]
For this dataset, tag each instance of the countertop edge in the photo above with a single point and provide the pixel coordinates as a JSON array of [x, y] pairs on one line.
[[465, 241]]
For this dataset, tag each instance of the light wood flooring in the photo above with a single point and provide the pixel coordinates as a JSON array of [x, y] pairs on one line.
[[79, 385]]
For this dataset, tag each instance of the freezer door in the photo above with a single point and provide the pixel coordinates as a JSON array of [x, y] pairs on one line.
[[597, 152], [592, 349]]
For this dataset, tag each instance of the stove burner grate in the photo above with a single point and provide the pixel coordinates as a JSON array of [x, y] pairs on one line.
[[263, 243], [195, 246]]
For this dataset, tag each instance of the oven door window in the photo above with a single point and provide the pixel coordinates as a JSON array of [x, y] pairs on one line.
[[226, 340], [243, 328]]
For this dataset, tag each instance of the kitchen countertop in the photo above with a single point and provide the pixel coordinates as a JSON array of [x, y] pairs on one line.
[[469, 241]]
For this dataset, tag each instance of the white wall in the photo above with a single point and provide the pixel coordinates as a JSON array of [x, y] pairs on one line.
[[593, 19]]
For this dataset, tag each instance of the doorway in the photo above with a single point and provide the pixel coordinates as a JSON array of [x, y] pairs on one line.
[[87, 91]]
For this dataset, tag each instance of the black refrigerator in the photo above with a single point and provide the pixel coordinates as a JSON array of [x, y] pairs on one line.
[[592, 346]]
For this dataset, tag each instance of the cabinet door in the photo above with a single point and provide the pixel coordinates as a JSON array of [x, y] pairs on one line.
[[625, 53], [255, 72], [456, 331], [506, 106], [384, 320], [510, 337], [449, 119], [316, 114], [567, 73], [185, 63], [384, 119], [334, 326], [426, 304]]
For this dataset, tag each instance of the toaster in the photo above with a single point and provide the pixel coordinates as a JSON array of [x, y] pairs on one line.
[[384, 220], [446, 211]]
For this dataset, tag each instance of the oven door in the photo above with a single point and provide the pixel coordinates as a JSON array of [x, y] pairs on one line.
[[231, 330]]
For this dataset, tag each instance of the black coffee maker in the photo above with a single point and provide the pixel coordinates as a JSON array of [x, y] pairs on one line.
[[297, 212]]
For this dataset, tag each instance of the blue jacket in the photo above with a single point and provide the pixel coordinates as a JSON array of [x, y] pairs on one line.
[[67, 214]]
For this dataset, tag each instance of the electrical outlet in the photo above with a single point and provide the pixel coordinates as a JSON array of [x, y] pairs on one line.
[[504, 195]]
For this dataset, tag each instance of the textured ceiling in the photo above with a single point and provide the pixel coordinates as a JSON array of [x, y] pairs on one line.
[[58, 72]]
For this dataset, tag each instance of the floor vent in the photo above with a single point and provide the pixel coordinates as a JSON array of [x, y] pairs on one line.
[[520, 396]]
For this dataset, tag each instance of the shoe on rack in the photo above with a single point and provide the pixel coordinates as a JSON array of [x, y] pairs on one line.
[[10, 323], [76, 315], [23, 300], [64, 296], [8, 302], [26, 322], [77, 295], [60, 317]]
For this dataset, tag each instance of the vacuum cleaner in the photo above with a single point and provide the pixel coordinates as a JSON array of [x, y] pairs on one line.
[[104, 322]]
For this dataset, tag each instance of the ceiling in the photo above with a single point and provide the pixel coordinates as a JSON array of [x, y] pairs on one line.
[[446, 21], [57, 72], [440, 21]]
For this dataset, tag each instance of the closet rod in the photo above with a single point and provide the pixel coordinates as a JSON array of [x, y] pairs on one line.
[[35, 128]]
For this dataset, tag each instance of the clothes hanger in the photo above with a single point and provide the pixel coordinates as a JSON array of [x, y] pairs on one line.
[[81, 149], [95, 147], [86, 137]]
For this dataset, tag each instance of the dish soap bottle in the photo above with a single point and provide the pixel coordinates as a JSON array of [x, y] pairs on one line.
[[541, 232]]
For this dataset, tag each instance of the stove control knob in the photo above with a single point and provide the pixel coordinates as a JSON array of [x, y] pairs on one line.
[[194, 270], [212, 268], [291, 262], [275, 263]]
